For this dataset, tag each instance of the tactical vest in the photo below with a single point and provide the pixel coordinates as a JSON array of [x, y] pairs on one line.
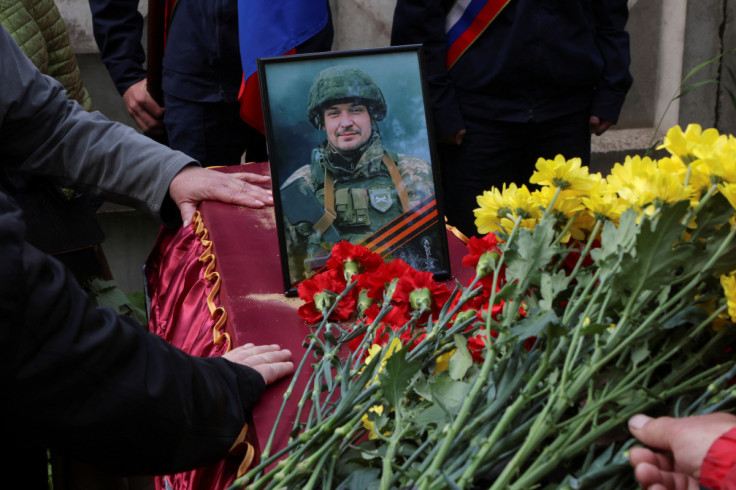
[[359, 203]]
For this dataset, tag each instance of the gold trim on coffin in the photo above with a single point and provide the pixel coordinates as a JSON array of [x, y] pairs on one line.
[[217, 313]]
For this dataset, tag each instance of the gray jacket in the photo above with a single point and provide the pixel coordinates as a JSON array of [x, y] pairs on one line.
[[44, 133]]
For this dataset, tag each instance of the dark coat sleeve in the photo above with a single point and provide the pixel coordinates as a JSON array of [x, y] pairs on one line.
[[98, 386], [118, 26], [613, 42], [423, 22]]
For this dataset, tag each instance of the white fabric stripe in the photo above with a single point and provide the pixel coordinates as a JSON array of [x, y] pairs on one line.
[[457, 11]]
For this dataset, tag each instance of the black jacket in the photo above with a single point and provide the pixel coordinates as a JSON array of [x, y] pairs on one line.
[[538, 59], [79, 378]]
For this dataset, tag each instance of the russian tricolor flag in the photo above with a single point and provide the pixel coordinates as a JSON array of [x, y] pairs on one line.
[[272, 28], [465, 22]]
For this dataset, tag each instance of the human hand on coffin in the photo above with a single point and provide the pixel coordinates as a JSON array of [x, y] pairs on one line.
[[194, 184], [271, 361], [684, 443]]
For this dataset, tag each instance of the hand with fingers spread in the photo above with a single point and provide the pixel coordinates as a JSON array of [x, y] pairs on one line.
[[271, 361], [194, 184], [143, 109], [684, 443]]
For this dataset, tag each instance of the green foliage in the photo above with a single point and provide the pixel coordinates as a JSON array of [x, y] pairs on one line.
[[547, 405]]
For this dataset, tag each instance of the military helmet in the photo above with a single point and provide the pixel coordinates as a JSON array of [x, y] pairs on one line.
[[343, 82]]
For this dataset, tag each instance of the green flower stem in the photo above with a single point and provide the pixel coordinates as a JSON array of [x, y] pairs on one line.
[[542, 466], [552, 202], [287, 394], [459, 421], [566, 446], [509, 415], [387, 460], [557, 404], [703, 200], [302, 402], [586, 250], [316, 471]]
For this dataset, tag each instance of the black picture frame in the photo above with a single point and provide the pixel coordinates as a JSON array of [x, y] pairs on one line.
[[409, 225]]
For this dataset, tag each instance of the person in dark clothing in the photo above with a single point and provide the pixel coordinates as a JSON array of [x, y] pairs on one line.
[[79, 378], [201, 76], [536, 82]]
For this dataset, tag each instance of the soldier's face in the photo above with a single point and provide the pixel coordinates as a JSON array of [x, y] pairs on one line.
[[348, 125]]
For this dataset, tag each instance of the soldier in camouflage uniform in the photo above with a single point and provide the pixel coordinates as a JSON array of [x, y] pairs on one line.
[[353, 186]]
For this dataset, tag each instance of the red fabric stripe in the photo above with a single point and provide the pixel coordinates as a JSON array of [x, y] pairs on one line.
[[480, 23], [251, 110]]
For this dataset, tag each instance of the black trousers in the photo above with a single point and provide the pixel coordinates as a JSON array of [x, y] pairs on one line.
[[211, 132], [497, 152]]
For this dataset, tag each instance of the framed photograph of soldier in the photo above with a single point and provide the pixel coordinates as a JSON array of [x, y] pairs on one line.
[[351, 158]]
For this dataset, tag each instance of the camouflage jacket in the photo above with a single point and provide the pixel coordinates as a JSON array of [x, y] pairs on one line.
[[365, 200]]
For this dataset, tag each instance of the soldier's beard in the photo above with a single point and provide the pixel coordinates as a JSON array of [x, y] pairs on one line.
[[348, 158]]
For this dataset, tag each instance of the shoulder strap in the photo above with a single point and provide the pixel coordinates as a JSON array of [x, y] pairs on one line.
[[329, 202], [393, 170]]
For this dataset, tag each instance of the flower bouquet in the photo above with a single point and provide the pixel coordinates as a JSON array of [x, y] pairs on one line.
[[594, 299]]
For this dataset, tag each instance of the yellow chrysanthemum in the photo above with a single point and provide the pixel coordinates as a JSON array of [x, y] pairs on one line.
[[368, 424], [728, 282], [691, 144], [567, 205], [729, 192], [499, 209], [605, 206], [442, 363], [375, 350], [562, 174], [641, 183], [633, 167]]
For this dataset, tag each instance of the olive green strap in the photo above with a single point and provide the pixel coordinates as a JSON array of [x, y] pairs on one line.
[[326, 220], [393, 170]]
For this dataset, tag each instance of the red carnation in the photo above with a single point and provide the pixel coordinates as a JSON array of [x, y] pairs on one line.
[[317, 291], [355, 259]]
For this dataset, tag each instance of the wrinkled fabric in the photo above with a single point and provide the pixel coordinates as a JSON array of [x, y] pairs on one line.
[[179, 294], [718, 471], [180, 314]]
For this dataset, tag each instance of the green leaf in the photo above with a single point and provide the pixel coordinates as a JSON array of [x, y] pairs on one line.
[[533, 324], [364, 478], [397, 375], [534, 250], [421, 387], [615, 241], [451, 393], [433, 415], [694, 86], [727, 261], [658, 255], [461, 360], [691, 315], [552, 285], [594, 328], [639, 353], [712, 216]]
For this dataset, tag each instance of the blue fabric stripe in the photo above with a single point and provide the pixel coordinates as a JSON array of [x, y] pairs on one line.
[[466, 19]]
